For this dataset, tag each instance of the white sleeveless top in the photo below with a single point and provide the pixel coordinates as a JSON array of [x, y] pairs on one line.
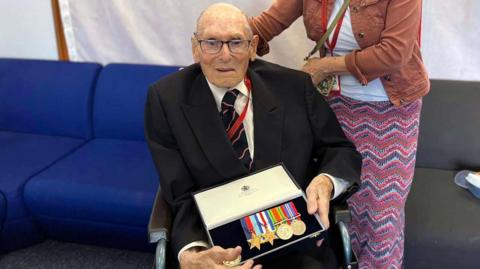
[[350, 86]]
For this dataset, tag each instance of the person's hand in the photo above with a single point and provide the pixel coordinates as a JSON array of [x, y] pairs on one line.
[[319, 192], [213, 258], [317, 68]]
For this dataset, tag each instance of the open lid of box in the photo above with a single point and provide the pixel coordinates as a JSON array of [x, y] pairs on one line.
[[244, 196]]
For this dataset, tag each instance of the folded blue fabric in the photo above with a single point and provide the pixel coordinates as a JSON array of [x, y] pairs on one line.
[[469, 180]]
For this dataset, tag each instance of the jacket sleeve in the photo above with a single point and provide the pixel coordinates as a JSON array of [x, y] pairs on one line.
[[278, 17], [175, 180], [336, 154], [396, 45]]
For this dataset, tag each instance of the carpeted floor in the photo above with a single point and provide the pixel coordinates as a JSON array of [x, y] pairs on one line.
[[60, 255]]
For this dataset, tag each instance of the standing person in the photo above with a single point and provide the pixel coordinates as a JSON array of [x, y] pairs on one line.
[[374, 54], [189, 116]]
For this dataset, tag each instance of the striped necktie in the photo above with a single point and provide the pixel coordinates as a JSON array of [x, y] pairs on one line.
[[239, 139]]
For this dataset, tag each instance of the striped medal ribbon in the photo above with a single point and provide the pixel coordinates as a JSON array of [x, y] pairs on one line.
[[250, 232], [298, 226]]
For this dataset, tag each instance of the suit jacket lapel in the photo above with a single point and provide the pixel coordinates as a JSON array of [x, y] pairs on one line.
[[204, 119], [268, 124]]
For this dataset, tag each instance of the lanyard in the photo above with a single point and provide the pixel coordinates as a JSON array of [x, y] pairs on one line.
[[331, 45], [240, 119]]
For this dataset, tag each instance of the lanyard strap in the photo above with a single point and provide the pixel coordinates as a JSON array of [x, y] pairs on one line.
[[321, 42], [240, 119], [338, 25]]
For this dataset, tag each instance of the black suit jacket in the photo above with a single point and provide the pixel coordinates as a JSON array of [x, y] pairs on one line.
[[187, 139]]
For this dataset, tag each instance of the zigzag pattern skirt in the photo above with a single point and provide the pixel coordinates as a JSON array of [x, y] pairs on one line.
[[386, 136]]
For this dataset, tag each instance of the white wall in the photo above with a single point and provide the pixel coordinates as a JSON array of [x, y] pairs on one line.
[[27, 29], [450, 39]]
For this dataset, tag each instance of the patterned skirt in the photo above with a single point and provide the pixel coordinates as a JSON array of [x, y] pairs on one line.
[[386, 136]]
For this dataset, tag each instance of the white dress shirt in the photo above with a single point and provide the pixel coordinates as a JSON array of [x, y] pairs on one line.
[[339, 185]]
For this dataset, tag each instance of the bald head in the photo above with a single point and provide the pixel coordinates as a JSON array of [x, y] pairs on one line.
[[223, 11], [223, 45]]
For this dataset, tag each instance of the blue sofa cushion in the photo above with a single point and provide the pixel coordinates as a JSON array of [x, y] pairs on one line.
[[106, 183], [22, 156], [47, 97], [3, 210], [120, 99]]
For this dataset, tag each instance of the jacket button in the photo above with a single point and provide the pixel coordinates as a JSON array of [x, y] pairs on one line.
[[387, 78], [361, 34]]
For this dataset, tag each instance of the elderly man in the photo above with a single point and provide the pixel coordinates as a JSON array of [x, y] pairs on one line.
[[195, 144]]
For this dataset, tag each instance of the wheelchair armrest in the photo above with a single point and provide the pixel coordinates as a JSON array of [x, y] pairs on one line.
[[341, 218], [158, 226], [160, 254], [160, 219]]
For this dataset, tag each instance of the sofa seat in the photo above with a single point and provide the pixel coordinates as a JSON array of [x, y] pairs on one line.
[[21, 157], [442, 222], [101, 194]]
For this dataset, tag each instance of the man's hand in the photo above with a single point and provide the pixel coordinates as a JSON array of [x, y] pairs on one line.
[[212, 258], [319, 192]]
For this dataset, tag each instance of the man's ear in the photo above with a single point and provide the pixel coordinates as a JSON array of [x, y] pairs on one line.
[[195, 50], [253, 47]]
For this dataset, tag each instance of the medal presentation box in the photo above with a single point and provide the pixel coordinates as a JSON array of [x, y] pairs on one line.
[[262, 212]]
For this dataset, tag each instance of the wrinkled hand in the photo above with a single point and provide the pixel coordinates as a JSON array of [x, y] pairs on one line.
[[213, 258], [319, 192], [316, 67]]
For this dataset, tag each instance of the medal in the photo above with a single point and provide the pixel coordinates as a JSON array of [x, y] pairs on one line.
[[255, 242], [269, 235], [298, 226], [281, 222], [284, 231], [249, 230]]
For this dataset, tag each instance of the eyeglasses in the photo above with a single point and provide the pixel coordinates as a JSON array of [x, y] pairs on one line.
[[212, 46]]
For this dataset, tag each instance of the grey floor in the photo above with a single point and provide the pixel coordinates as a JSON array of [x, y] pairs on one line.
[[61, 255]]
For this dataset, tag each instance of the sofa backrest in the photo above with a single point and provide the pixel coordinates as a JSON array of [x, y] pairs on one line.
[[47, 97], [120, 98], [450, 126]]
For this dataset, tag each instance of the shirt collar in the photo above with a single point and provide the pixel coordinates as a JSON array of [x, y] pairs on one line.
[[219, 92]]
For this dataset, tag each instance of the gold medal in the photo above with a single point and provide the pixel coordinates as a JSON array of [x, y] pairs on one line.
[[255, 241], [298, 227], [269, 237], [284, 231], [234, 262]]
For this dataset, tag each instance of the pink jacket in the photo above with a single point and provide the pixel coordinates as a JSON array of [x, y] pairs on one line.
[[386, 31]]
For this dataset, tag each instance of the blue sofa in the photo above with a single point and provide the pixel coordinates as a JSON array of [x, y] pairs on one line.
[[3, 209], [44, 115], [80, 169]]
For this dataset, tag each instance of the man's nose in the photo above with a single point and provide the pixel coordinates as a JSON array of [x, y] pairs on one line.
[[225, 53]]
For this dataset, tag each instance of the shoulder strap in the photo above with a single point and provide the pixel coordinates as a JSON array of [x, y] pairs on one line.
[[321, 42]]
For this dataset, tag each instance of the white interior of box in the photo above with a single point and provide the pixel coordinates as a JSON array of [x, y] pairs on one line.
[[245, 196]]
